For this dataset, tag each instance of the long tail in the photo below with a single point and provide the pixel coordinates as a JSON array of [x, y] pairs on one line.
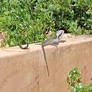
[[45, 59]]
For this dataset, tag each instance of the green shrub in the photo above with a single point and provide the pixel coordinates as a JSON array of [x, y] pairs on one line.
[[27, 20], [74, 82]]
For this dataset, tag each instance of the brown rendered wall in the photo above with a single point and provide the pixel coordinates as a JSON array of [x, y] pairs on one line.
[[25, 70]]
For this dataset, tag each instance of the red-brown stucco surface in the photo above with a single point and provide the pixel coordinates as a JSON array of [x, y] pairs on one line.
[[25, 70]]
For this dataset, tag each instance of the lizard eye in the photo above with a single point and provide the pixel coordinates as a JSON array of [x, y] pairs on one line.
[[60, 35]]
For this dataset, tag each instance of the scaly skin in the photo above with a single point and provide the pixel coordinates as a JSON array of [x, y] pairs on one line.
[[52, 41]]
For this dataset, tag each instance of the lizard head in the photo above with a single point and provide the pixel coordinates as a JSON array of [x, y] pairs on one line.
[[59, 34]]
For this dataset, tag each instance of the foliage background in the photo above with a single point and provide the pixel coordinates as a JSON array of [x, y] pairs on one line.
[[74, 82], [26, 21]]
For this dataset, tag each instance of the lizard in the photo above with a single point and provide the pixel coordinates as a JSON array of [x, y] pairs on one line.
[[51, 41], [47, 42]]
